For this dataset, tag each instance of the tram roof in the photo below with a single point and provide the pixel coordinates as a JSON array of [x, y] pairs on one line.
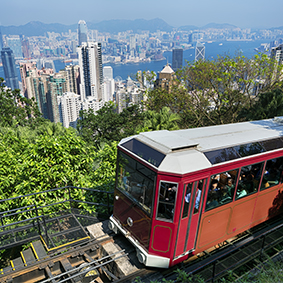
[[191, 150]]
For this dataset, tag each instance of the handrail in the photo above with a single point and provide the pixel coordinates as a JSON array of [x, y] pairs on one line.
[[34, 207]]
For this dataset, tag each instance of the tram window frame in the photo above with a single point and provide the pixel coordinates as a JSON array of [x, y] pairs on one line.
[[166, 208], [186, 200], [252, 178], [268, 177], [219, 191], [200, 188], [195, 194], [134, 183]]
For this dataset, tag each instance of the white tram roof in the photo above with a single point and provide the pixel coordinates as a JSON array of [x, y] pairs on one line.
[[195, 149]]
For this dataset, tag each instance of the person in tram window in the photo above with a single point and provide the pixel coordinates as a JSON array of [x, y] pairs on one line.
[[230, 187], [241, 192], [212, 199], [171, 194], [188, 197], [249, 183], [214, 186]]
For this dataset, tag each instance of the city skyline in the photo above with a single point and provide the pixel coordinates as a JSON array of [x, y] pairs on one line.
[[243, 14]]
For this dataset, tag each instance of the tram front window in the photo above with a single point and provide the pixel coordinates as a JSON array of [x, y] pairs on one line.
[[167, 199], [136, 180]]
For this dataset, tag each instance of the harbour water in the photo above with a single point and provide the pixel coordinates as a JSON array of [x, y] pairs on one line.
[[212, 50]]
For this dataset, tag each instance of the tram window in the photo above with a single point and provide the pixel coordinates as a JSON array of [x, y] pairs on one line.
[[273, 173], [188, 192], [167, 199], [249, 180], [198, 196], [136, 181], [221, 189]]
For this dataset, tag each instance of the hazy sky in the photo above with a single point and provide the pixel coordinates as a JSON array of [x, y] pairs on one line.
[[242, 13]]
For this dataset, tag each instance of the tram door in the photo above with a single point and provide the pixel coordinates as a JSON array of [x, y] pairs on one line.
[[189, 217]]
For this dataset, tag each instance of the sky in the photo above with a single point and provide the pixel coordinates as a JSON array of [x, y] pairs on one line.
[[241, 13]]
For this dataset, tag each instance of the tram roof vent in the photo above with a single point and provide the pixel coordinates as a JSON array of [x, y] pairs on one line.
[[166, 140]]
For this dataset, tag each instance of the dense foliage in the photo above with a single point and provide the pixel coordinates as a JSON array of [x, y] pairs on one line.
[[16, 110], [219, 91]]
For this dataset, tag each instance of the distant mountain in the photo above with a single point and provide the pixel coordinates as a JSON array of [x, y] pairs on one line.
[[188, 28], [281, 28], [218, 26], [36, 28], [208, 26], [112, 26]]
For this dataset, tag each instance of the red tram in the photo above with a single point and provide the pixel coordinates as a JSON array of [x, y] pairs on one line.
[[181, 192]]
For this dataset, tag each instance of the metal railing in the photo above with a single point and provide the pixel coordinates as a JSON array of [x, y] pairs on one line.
[[28, 214]]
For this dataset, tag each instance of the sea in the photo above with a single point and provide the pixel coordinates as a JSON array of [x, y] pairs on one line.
[[212, 50]]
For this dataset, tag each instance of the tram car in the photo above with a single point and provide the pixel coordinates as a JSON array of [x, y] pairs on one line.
[[181, 192]]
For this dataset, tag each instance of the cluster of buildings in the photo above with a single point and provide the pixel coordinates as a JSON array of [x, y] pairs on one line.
[[88, 85]]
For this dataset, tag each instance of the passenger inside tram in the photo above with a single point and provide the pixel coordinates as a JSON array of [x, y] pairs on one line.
[[167, 196], [212, 200]]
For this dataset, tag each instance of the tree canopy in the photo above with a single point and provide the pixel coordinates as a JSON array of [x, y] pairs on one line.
[[15, 109], [212, 92]]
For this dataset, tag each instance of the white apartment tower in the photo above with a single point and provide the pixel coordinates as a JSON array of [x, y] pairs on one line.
[[69, 107], [90, 62]]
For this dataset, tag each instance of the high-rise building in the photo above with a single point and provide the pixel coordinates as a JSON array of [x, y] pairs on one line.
[[91, 75], [1, 40], [72, 75], [69, 107], [56, 87], [132, 42], [14, 42], [199, 51], [26, 48], [108, 72], [277, 53], [177, 58], [82, 32], [9, 66]]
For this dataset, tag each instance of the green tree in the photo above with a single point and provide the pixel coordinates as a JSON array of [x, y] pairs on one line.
[[16, 110], [268, 105], [162, 120], [216, 91], [107, 125]]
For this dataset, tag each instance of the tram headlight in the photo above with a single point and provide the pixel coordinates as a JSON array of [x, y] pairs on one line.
[[141, 257], [112, 227]]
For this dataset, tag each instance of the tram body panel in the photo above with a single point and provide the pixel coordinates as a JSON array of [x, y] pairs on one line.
[[242, 214], [165, 216], [133, 218], [213, 228], [269, 204]]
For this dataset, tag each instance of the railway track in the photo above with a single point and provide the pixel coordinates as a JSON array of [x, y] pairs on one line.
[[91, 261]]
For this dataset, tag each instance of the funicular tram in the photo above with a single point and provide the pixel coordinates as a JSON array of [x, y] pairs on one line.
[[181, 192]]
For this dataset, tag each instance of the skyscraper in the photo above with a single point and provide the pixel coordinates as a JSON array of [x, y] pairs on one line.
[[9, 66], [277, 53], [26, 48], [108, 72], [82, 32], [69, 108], [91, 75], [14, 42], [199, 52], [1, 40], [177, 58]]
